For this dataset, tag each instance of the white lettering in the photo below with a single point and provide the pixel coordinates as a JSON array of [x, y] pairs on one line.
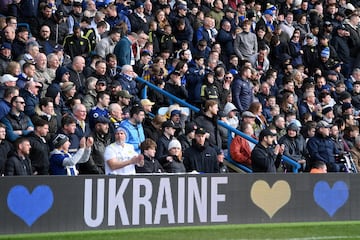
[[141, 200], [200, 199], [116, 200], [181, 200], [164, 194], [99, 200], [216, 198]]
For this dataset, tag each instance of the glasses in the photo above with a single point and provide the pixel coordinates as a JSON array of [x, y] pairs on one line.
[[20, 102], [228, 77]]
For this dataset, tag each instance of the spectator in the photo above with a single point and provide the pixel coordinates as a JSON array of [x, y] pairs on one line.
[[134, 127], [127, 81], [318, 167], [168, 131], [62, 162], [153, 131], [322, 148], [103, 101], [187, 138], [75, 44], [173, 162], [242, 90], [123, 50], [295, 146], [39, 152], [5, 148], [208, 121], [246, 42], [102, 139], [240, 148], [76, 74], [264, 158], [121, 157], [200, 157], [5, 57], [9, 93], [151, 164], [16, 121], [18, 163], [30, 94]]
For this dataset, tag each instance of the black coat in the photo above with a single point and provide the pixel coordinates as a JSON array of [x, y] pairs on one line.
[[16, 166], [201, 158], [151, 165], [39, 154], [5, 148], [264, 160]]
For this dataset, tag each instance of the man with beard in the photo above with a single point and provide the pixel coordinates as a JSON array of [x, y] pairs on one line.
[[19, 164], [44, 40], [101, 136], [264, 158], [134, 127]]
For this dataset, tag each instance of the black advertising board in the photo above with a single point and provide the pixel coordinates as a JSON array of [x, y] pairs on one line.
[[52, 203]]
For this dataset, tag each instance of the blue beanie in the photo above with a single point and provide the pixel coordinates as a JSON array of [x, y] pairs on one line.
[[325, 52]]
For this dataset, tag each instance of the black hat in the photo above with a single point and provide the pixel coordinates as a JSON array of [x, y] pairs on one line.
[[189, 127], [344, 95], [101, 82], [167, 123], [266, 132], [346, 106], [200, 131], [102, 119], [59, 140], [77, 4], [326, 109]]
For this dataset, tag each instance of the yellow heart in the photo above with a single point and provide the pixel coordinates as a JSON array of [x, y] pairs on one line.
[[270, 200]]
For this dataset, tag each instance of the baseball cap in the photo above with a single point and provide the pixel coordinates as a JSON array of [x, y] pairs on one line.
[[146, 102], [8, 78], [124, 94], [5, 45], [200, 131]]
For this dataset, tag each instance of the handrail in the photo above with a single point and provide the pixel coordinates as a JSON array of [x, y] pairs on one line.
[[296, 166]]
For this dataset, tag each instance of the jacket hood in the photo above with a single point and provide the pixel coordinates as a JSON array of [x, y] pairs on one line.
[[229, 107]]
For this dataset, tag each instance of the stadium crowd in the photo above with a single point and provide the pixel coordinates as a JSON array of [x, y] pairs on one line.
[[285, 72]]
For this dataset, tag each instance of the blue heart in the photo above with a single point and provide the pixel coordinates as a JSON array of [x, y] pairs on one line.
[[331, 199], [30, 206]]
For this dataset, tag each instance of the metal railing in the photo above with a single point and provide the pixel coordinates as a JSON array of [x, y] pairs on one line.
[[295, 165]]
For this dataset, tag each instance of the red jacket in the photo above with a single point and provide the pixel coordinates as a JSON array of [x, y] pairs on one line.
[[240, 151]]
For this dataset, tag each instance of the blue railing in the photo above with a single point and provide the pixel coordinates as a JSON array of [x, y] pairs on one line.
[[295, 166]]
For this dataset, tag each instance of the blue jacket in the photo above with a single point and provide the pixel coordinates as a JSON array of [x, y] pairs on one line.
[[31, 101], [122, 51], [5, 108], [242, 94], [13, 123], [194, 83], [135, 134], [323, 149]]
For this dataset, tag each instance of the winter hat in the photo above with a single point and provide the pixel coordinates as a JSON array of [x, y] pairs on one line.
[[325, 52], [174, 144], [59, 140], [268, 11]]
